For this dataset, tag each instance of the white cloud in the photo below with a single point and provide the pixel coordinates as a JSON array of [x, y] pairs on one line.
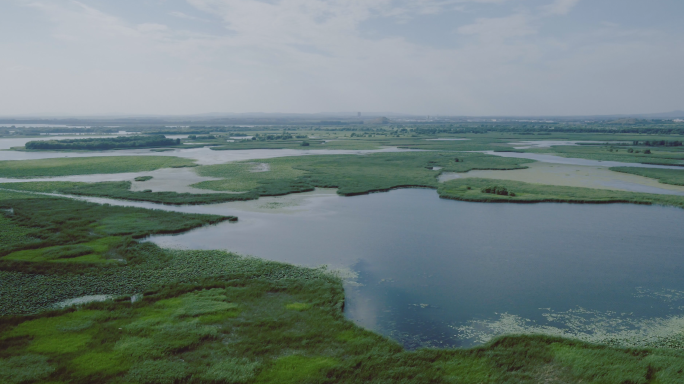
[[182, 15], [560, 7], [497, 29]]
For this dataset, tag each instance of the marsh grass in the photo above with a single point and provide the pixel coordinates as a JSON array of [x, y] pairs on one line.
[[91, 252], [351, 174], [39, 233]]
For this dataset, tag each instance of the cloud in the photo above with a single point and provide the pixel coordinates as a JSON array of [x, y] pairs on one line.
[[182, 15], [497, 29], [559, 7]]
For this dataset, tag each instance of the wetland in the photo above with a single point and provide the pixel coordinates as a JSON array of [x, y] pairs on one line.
[[141, 274]]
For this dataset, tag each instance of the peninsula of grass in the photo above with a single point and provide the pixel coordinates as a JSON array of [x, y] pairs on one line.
[[485, 190], [665, 176], [122, 190], [88, 165], [212, 317], [32, 222]]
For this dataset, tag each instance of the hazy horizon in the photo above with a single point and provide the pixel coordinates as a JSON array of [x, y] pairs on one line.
[[430, 57]]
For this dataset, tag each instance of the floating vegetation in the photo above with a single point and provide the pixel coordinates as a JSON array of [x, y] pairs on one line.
[[665, 295], [610, 328]]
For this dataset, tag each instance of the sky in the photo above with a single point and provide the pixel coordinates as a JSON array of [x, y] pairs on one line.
[[423, 57]]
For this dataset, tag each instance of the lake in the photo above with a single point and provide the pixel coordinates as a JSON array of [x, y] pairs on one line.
[[434, 272]]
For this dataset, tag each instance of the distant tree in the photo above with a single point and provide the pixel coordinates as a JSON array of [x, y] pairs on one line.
[[305, 144], [647, 152]]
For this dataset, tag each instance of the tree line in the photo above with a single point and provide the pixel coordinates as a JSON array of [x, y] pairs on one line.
[[105, 143]]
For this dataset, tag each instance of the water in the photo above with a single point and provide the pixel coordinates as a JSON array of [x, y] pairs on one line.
[[203, 155], [429, 268]]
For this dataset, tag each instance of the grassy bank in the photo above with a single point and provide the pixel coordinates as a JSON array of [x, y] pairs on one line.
[[487, 190], [88, 165], [665, 176], [241, 320]]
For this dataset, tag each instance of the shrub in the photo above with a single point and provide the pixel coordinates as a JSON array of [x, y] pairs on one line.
[[496, 190]]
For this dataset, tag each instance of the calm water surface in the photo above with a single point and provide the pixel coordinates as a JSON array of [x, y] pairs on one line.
[[427, 266]]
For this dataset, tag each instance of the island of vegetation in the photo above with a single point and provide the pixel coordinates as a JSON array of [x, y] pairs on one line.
[[100, 144]]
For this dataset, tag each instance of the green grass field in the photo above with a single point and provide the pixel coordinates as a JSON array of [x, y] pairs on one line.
[[88, 165]]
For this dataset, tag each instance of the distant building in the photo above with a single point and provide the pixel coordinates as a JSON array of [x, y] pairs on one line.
[[379, 120], [358, 114]]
